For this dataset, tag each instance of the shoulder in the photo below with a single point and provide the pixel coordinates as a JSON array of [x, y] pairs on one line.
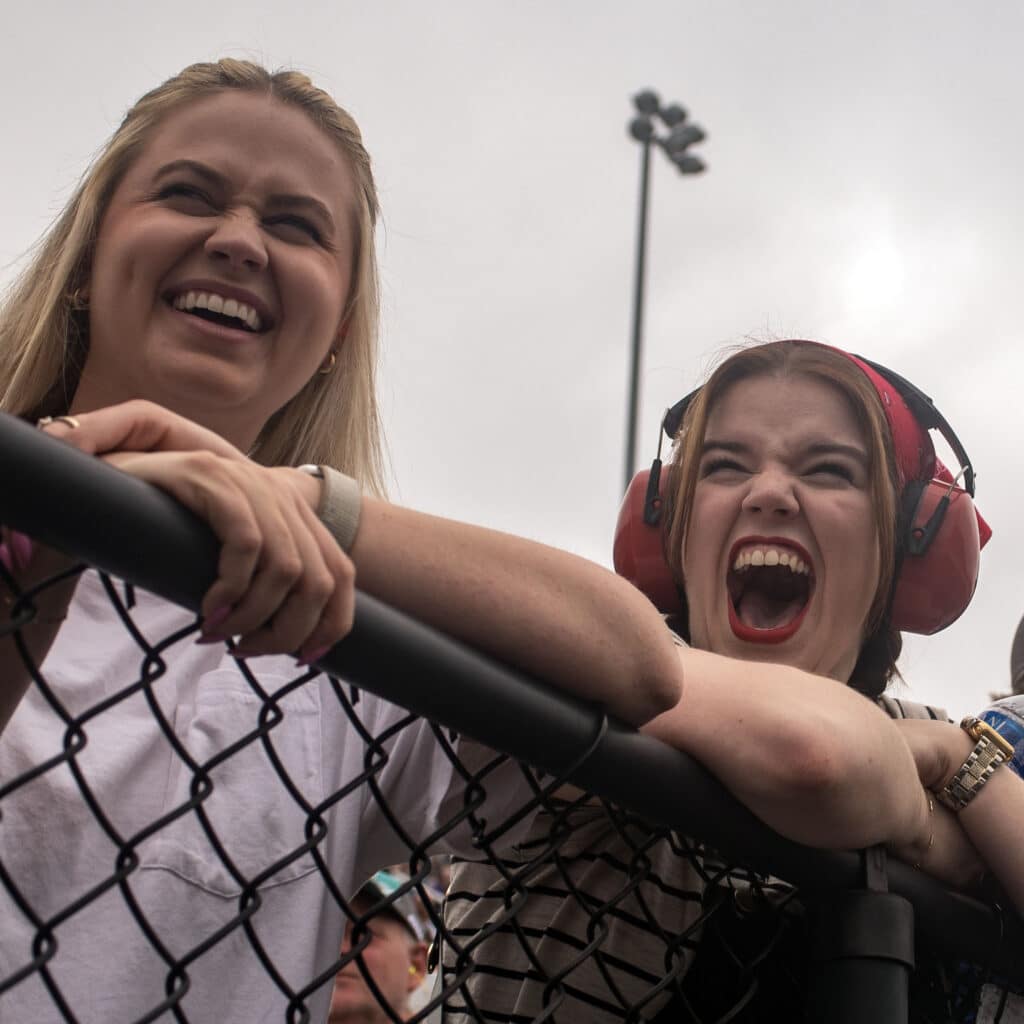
[[897, 707], [673, 626]]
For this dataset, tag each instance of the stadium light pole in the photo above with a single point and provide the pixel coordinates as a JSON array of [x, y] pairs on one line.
[[678, 135]]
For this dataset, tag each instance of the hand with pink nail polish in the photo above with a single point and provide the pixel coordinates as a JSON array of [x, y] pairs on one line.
[[283, 584], [28, 562], [15, 550]]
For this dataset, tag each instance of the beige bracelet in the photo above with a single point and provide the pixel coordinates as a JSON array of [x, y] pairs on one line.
[[340, 503]]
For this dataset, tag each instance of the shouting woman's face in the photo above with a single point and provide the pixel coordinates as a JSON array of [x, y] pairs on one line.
[[222, 266], [781, 555]]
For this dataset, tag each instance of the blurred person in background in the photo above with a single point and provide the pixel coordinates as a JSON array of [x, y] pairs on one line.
[[1017, 660], [395, 956]]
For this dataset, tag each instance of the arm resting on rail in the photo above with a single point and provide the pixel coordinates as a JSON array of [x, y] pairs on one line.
[[815, 760], [554, 615], [993, 821], [549, 613]]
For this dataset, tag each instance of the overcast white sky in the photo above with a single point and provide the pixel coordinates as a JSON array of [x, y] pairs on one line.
[[863, 189]]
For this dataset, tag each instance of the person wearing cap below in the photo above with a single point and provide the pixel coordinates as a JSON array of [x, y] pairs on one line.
[[395, 956]]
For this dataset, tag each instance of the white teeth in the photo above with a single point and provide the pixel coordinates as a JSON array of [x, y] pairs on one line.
[[218, 304], [758, 556]]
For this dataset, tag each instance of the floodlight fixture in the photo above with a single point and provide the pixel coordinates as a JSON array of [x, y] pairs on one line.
[[682, 136], [673, 115], [686, 163], [647, 102], [641, 129]]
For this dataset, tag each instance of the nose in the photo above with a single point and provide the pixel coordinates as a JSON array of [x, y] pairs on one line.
[[771, 492], [237, 239]]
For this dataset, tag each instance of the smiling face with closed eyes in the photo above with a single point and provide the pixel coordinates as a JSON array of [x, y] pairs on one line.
[[223, 265], [781, 557]]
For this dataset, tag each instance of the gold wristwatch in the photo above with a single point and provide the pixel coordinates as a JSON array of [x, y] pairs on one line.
[[990, 751]]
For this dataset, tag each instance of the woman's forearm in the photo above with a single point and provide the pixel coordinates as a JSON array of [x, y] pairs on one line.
[[994, 822], [818, 762], [552, 614], [556, 616], [994, 819]]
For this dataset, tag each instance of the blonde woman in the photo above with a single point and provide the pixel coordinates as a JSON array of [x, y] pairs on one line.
[[204, 315]]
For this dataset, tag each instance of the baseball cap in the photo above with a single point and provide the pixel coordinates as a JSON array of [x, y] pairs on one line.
[[380, 891]]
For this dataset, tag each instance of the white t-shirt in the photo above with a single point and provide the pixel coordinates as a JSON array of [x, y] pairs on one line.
[[55, 849]]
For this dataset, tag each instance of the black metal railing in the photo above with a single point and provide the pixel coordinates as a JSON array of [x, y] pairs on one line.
[[838, 936]]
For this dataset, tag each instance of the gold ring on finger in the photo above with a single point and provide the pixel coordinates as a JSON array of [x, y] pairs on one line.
[[68, 421]]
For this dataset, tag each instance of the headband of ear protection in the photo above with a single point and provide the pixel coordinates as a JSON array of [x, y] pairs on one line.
[[940, 534]]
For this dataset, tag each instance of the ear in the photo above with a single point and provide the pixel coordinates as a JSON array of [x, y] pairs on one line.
[[80, 297], [417, 966], [328, 364]]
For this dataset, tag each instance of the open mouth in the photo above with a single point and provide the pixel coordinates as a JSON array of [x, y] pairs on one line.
[[217, 309], [770, 587]]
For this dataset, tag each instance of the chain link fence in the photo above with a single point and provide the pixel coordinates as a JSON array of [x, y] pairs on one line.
[[182, 833]]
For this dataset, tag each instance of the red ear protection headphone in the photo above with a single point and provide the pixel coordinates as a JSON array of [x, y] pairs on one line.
[[939, 536]]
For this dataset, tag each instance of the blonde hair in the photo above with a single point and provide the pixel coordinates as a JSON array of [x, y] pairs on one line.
[[881, 648], [334, 418]]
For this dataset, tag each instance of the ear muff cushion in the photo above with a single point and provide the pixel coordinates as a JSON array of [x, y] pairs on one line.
[[933, 588], [637, 553]]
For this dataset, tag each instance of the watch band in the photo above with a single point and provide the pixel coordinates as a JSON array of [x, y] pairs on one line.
[[340, 503], [990, 751]]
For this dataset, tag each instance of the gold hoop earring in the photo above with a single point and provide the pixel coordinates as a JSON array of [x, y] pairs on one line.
[[79, 298], [324, 370]]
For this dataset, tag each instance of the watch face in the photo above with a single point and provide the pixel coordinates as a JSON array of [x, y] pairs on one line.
[[976, 729]]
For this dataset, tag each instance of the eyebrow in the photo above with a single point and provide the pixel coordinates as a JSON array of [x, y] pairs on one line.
[[814, 449], [724, 446], [218, 180], [834, 448]]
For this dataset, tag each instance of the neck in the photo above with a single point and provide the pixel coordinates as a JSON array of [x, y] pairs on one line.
[[92, 394]]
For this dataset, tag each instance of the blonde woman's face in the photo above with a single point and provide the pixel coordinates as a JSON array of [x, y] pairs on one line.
[[781, 559], [222, 265]]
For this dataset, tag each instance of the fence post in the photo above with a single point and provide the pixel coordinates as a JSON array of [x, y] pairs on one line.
[[863, 951]]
